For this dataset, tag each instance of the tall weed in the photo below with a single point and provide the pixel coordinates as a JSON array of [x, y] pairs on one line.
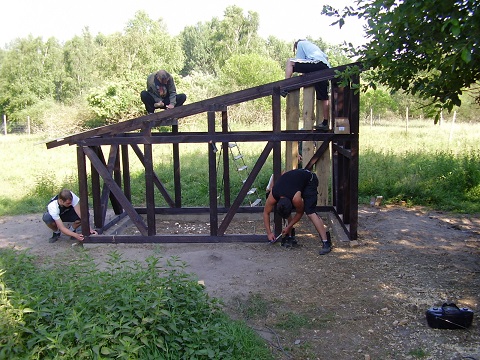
[[74, 310]]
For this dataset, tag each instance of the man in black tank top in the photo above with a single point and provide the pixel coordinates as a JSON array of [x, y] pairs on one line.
[[296, 189]]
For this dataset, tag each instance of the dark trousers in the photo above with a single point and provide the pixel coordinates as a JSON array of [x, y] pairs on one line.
[[149, 101], [321, 87]]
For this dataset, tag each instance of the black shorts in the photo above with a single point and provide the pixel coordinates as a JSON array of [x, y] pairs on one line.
[[321, 88], [309, 195], [68, 216]]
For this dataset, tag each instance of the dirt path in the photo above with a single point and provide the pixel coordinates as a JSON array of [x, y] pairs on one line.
[[366, 301]]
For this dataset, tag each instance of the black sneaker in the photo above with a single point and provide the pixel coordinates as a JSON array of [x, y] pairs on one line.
[[289, 242], [54, 237], [326, 247]]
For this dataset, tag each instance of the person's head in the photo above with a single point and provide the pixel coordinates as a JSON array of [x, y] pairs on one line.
[[65, 198], [284, 207], [161, 77]]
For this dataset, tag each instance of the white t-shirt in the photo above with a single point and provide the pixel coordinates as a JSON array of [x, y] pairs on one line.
[[53, 207]]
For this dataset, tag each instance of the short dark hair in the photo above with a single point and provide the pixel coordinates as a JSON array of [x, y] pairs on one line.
[[65, 195], [295, 44], [284, 207]]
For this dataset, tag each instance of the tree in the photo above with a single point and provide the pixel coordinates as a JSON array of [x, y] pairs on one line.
[[236, 34], [198, 48], [244, 71], [426, 48], [29, 72], [78, 56], [279, 50]]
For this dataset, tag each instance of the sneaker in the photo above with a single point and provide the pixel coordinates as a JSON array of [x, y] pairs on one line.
[[326, 247], [54, 237], [289, 242], [286, 242], [321, 127]]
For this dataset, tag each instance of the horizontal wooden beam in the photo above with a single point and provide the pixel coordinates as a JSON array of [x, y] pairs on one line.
[[218, 137], [171, 116]]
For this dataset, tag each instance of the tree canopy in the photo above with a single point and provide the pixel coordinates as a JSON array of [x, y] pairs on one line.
[[426, 48]]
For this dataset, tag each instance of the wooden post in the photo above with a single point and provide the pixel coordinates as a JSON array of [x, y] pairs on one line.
[[149, 189], [5, 124], [322, 167], [308, 119], [212, 176], [277, 150], [292, 113]]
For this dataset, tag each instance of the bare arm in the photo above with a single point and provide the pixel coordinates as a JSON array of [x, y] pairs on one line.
[[269, 204]]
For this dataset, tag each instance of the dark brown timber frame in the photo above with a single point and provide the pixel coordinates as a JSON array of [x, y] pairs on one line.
[[110, 177]]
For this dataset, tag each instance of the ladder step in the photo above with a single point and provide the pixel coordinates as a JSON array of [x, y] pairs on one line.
[[256, 202], [238, 157], [232, 145], [252, 191], [242, 168]]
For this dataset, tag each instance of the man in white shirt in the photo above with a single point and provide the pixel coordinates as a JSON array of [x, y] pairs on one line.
[[64, 207]]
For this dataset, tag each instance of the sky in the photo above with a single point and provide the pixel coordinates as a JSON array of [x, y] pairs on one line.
[[64, 19]]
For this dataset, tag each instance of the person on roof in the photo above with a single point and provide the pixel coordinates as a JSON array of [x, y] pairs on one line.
[[161, 92], [309, 58]]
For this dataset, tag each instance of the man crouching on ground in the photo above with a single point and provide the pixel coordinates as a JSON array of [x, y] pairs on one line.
[[64, 207], [296, 189]]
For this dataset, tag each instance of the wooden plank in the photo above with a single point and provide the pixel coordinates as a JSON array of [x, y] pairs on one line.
[[168, 118], [308, 115], [83, 192], [212, 178], [165, 239], [176, 171], [292, 114], [277, 154], [98, 219], [149, 190]]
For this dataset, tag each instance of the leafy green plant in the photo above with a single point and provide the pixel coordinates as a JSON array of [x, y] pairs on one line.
[[73, 310]]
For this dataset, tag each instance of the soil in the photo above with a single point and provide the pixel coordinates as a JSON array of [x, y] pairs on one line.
[[365, 300]]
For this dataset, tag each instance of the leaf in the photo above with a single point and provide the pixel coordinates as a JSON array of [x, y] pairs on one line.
[[106, 351], [455, 30], [466, 55]]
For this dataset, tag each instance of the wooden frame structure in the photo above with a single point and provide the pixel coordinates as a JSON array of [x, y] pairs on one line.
[[110, 176]]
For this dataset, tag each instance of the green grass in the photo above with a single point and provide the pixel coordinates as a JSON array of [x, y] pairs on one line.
[[426, 164], [431, 165], [73, 310]]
